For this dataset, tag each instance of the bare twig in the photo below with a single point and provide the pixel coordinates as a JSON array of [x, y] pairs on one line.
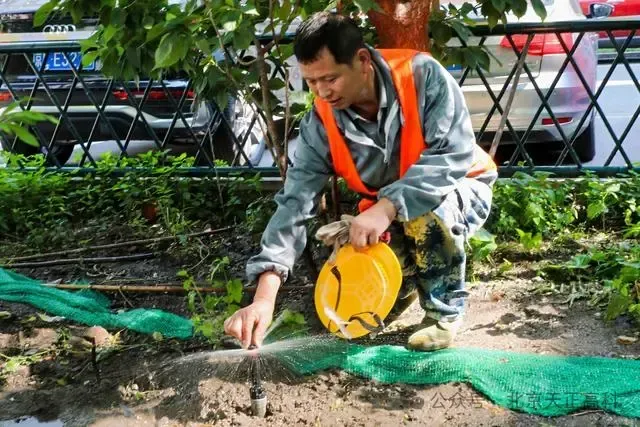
[[202, 258], [165, 288], [67, 261], [117, 245], [272, 134], [126, 300], [593, 411]]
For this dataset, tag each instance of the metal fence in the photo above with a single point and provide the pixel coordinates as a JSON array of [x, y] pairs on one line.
[[560, 100]]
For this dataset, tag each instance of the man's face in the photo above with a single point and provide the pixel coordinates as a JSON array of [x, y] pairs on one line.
[[341, 85]]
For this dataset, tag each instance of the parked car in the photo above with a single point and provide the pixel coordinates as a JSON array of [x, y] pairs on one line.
[[599, 9], [569, 100], [16, 23]]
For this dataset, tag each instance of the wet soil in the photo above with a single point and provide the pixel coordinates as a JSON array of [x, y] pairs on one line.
[[141, 384]]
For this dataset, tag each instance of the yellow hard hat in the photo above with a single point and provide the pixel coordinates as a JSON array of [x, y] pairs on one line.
[[355, 294]]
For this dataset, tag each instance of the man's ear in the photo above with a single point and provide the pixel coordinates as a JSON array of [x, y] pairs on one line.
[[363, 57]]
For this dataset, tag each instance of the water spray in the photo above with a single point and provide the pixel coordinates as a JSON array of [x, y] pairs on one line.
[[256, 391]]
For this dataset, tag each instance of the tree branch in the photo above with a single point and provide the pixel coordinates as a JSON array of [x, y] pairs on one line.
[[116, 245]]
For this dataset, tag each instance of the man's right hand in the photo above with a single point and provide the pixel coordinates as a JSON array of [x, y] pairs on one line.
[[250, 323]]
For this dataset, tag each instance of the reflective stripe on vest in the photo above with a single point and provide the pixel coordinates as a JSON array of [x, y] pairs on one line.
[[412, 142]]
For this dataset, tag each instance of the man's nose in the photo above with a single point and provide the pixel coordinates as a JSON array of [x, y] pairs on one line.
[[324, 91]]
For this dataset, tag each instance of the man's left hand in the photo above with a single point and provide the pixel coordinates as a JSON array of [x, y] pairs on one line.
[[367, 227]]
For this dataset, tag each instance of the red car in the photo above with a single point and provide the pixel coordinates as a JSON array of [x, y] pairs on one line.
[[611, 9]]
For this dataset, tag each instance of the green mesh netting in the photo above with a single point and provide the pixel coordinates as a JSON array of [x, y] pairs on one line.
[[536, 384], [90, 308]]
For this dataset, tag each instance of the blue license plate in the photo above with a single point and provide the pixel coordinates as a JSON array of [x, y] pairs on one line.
[[56, 61], [454, 67]]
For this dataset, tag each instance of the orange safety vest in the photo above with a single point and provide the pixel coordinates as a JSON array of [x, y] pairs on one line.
[[412, 141]]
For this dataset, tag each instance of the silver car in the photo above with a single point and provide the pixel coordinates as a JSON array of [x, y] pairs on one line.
[[569, 100]]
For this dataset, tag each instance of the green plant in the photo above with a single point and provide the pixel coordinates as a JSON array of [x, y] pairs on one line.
[[209, 311], [45, 209], [288, 324], [535, 204], [202, 40], [14, 122], [483, 244], [530, 242], [617, 267]]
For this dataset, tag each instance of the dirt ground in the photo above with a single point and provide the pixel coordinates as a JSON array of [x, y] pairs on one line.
[[147, 383]]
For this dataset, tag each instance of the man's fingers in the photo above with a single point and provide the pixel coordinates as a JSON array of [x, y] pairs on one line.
[[247, 330], [373, 238], [233, 327], [360, 241], [258, 333], [353, 234]]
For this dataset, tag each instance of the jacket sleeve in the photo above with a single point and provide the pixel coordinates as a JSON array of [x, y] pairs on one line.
[[285, 237], [450, 140]]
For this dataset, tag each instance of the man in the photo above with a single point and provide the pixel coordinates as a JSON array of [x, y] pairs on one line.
[[395, 126]]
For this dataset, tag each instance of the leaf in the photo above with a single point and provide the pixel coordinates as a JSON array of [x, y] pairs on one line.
[[519, 7], [284, 10], [89, 57], [581, 261], [147, 22], [286, 51], [250, 10], [539, 8], [462, 30], [618, 304], [234, 291], [109, 32], [499, 5], [205, 328], [43, 12], [596, 209], [483, 235], [155, 32], [276, 83], [230, 25], [222, 98], [25, 136], [367, 5], [243, 39], [470, 59], [492, 20], [465, 9], [440, 32], [173, 48]]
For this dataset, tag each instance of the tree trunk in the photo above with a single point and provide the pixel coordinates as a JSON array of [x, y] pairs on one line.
[[403, 23]]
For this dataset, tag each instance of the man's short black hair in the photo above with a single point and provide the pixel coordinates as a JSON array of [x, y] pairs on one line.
[[338, 33]]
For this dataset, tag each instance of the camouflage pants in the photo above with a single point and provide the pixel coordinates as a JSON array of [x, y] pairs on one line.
[[431, 248]]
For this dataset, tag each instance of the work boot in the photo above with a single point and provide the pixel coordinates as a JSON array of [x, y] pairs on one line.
[[434, 335]]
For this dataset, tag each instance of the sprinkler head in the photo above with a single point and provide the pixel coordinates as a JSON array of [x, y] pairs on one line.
[[256, 391]]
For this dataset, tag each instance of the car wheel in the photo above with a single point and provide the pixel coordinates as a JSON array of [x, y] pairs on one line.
[[62, 152], [585, 144]]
